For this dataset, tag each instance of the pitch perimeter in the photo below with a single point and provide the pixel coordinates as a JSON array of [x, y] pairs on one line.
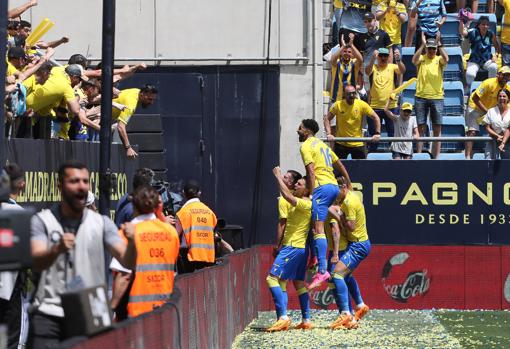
[[386, 329]]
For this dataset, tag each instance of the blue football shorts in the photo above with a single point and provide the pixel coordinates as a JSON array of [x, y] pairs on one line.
[[290, 264], [323, 197], [355, 253]]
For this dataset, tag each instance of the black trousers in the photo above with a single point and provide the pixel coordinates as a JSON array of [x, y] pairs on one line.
[[45, 331], [356, 152], [10, 314]]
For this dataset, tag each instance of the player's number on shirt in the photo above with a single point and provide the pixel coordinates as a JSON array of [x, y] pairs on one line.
[[327, 157]]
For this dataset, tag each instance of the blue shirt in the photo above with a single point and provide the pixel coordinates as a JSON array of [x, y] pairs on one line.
[[123, 211], [480, 46], [429, 12]]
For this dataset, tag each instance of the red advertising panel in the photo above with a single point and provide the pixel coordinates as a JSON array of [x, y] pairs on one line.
[[420, 277]]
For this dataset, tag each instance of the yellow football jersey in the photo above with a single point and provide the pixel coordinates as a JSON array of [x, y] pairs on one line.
[[298, 224], [354, 210], [317, 152]]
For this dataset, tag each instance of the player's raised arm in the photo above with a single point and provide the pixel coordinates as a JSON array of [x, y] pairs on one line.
[[286, 194]]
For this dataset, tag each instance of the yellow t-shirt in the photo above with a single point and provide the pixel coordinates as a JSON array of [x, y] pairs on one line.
[[430, 78], [351, 75], [298, 224], [342, 243], [51, 93], [390, 22], [488, 93], [505, 28], [283, 208], [354, 210], [382, 83], [30, 84], [338, 4], [10, 69], [128, 98], [317, 152], [349, 119]]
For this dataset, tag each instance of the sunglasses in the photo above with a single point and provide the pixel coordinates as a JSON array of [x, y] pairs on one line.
[[384, 55]]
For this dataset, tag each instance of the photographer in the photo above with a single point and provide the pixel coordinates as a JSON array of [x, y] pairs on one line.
[[124, 210]]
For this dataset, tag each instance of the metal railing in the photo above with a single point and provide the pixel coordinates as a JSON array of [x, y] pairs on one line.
[[410, 139], [196, 59]]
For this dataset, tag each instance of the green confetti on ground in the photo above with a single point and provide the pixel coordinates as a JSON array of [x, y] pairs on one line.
[[387, 329]]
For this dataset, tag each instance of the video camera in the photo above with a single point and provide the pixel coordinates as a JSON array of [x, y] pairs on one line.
[[15, 250], [172, 201]]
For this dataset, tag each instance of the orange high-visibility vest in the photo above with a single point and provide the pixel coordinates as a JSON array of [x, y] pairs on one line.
[[198, 222], [157, 247]]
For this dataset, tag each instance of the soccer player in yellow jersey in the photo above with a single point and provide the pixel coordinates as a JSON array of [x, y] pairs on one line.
[[353, 224], [319, 162], [290, 263]]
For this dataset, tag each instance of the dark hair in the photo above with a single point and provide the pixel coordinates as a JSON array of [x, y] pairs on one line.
[[143, 176], [12, 25], [91, 83], [15, 173], [311, 125], [296, 176], [148, 88], [481, 19], [78, 59], [191, 189], [70, 164], [45, 68], [506, 92], [25, 24], [145, 199]]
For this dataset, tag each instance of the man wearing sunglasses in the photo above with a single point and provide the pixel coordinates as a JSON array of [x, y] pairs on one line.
[[429, 89]]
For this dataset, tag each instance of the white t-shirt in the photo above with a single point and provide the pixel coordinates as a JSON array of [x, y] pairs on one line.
[[404, 128], [494, 119]]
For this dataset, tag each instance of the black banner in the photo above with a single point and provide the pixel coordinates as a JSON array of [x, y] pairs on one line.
[[41, 159], [435, 202]]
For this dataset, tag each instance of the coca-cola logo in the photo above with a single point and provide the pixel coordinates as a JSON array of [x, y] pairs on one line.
[[323, 298], [401, 286]]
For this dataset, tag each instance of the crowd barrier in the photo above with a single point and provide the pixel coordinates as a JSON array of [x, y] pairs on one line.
[[207, 310]]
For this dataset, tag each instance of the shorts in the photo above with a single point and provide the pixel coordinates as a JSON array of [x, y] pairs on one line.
[[290, 264], [356, 252], [472, 118], [423, 106], [322, 197], [331, 266], [399, 155]]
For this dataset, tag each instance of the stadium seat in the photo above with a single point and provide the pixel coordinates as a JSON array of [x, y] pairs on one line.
[[421, 156], [474, 86], [478, 156], [407, 60], [408, 94], [453, 126], [479, 147], [450, 31], [453, 98], [454, 70], [379, 156], [451, 156]]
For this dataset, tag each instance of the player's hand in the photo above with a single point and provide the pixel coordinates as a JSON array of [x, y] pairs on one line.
[[277, 172], [330, 137], [334, 258], [66, 242], [276, 250], [375, 138], [129, 230]]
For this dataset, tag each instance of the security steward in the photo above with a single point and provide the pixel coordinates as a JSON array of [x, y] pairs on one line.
[[196, 222], [157, 245]]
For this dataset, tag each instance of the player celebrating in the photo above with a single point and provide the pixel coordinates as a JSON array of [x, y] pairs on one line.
[[319, 161], [353, 223], [290, 263]]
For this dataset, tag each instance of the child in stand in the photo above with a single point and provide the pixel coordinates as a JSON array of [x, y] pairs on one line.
[[405, 126]]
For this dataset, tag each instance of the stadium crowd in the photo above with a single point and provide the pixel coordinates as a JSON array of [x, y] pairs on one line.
[[460, 63]]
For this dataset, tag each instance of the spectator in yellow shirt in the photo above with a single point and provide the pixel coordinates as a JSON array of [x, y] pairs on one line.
[[382, 80], [349, 113], [130, 99], [429, 90], [391, 14]]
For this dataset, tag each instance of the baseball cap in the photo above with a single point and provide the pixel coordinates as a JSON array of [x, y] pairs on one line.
[[504, 70], [407, 106], [384, 51], [16, 52], [369, 16], [431, 43], [76, 70]]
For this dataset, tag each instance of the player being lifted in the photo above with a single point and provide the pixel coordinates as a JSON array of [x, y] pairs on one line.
[[352, 223], [319, 161], [290, 263]]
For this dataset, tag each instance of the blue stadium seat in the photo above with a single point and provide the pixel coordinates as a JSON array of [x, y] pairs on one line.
[[453, 98], [379, 156], [454, 70], [479, 147], [450, 31], [421, 156], [453, 126], [407, 60], [408, 94], [454, 120], [492, 17], [478, 156], [451, 156]]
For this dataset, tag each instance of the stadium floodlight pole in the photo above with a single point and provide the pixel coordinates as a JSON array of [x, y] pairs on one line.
[[107, 55], [3, 67]]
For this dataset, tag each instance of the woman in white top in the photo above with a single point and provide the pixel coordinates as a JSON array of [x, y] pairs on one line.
[[496, 122]]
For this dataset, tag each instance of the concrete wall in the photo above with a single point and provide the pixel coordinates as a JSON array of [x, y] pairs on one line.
[[189, 32]]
